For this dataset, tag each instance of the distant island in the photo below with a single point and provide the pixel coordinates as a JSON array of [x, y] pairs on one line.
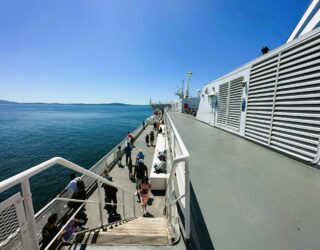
[[111, 104]]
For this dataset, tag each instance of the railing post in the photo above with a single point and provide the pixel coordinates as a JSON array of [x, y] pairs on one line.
[[100, 203], [25, 186], [134, 206], [124, 206], [187, 200]]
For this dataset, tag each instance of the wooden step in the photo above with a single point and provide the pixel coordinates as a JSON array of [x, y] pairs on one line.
[[107, 238], [140, 231]]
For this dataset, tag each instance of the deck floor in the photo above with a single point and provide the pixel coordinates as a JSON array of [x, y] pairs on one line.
[[121, 177], [250, 197]]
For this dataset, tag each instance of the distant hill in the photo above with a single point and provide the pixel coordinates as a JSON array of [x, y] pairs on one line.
[[7, 102], [111, 104]]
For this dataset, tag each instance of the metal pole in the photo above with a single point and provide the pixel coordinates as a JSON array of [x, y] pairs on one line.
[[30, 212], [189, 73], [100, 203], [133, 206], [187, 199], [124, 206]]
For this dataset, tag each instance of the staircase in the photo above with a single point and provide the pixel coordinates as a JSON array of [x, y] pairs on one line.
[[139, 231]]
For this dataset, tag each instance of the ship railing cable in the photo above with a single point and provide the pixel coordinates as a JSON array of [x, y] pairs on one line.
[[177, 197]]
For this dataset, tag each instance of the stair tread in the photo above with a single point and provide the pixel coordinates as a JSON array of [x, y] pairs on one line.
[[140, 239], [139, 231]]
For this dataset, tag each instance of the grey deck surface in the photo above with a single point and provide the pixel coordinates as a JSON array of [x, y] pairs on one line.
[[121, 177], [250, 197]]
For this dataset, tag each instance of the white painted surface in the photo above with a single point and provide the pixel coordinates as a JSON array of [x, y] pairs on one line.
[[158, 181], [207, 112]]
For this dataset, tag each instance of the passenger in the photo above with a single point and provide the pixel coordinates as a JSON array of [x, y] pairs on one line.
[[140, 172], [70, 229], [119, 154], [155, 126], [161, 167], [140, 156], [130, 166], [49, 231], [147, 140], [144, 188], [110, 196], [127, 151], [80, 194], [131, 139], [160, 130], [151, 138], [71, 186]]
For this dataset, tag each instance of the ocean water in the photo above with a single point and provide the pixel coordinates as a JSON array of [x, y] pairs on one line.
[[83, 134]]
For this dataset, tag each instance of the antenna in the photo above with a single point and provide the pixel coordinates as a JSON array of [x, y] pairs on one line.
[[189, 73], [182, 89]]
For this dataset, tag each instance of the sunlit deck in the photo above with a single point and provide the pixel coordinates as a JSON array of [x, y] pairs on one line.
[[250, 197], [121, 177]]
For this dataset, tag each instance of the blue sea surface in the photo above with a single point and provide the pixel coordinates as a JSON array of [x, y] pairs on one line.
[[83, 134]]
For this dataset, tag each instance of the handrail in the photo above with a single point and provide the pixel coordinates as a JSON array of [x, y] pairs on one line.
[[14, 180], [183, 148], [94, 202], [176, 200], [174, 160]]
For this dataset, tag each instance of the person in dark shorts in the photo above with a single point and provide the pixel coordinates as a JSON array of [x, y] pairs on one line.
[[127, 151], [130, 167], [151, 138], [110, 196], [140, 172], [147, 140]]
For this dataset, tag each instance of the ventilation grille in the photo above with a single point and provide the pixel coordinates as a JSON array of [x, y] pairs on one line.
[[286, 96], [295, 128], [234, 110], [260, 99], [223, 104]]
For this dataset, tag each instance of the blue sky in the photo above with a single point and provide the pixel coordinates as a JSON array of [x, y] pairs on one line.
[[130, 51]]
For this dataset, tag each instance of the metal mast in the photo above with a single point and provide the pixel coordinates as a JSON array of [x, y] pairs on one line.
[[189, 73]]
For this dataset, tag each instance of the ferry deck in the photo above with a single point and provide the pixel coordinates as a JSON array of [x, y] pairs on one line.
[[249, 197]]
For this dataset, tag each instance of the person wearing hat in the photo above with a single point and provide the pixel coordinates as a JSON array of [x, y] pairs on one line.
[[140, 156], [140, 171]]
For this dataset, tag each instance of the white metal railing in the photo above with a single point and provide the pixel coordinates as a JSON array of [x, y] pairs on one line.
[[23, 180], [178, 156]]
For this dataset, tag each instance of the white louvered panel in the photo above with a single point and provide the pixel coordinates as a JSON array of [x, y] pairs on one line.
[[303, 127], [308, 77], [290, 152], [296, 137], [301, 60], [296, 120], [302, 72], [258, 87], [265, 123], [223, 104], [301, 84], [300, 48], [264, 64], [234, 110], [260, 99]]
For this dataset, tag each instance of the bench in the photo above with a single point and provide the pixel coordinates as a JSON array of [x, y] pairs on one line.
[[158, 181]]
